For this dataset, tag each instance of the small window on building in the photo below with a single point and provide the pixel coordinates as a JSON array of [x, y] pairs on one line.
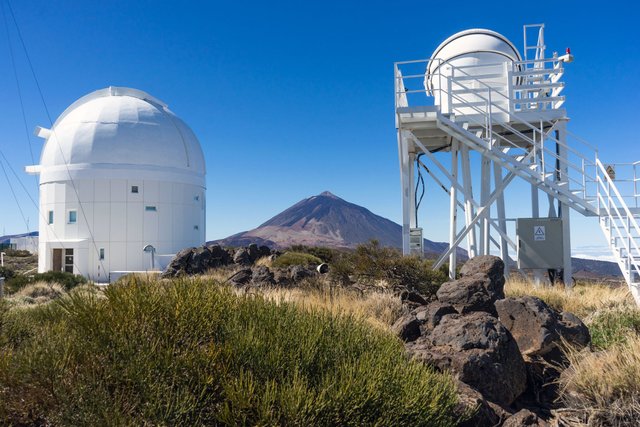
[[195, 227], [101, 254], [196, 198], [150, 208], [134, 189], [73, 217], [50, 217]]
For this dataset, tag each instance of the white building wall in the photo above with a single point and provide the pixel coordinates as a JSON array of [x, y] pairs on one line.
[[26, 243], [120, 222]]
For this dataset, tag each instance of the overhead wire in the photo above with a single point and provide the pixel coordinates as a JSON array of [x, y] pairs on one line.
[[15, 197], [19, 89], [53, 132], [40, 213]]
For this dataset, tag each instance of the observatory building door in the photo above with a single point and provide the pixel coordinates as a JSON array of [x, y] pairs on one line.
[[57, 260], [61, 263]]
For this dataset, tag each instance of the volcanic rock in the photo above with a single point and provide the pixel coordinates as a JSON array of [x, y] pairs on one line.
[[479, 350], [537, 328]]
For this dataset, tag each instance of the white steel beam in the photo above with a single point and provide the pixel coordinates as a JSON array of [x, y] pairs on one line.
[[479, 215], [565, 214], [485, 188], [403, 155], [504, 249], [446, 173], [468, 197], [453, 209]]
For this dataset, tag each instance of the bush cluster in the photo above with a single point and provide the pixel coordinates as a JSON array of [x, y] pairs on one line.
[[21, 253], [325, 254], [291, 258], [189, 352], [7, 273], [614, 326], [67, 280], [371, 262]]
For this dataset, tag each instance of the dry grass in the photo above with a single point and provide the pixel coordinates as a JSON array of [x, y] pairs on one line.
[[380, 309], [265, 261], [40, 293], [583, 300], [603, 388], [221, 274], [36, 294]]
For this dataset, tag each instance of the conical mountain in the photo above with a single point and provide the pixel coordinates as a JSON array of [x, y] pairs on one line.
[[325, 220]]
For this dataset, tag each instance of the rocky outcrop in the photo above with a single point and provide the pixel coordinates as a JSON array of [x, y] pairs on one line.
[[525, 418], [431, 314], [537, 328], [468, 294], [503, 351], [480, 286], [476, 410], [262, 276], [407, 328], [199, 260], [489, 266], [241, 277], [479, 350]]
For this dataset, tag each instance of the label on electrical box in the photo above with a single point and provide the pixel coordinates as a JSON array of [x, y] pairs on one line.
[[539, 233]]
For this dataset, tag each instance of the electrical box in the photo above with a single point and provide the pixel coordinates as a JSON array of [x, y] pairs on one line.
[[416, 241], [540, 244]]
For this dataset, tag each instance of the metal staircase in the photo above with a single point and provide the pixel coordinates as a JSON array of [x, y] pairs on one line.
[[520, 126]]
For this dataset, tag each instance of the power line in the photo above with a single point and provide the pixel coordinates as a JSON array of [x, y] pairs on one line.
[[53, 131], [24, 218], [35, 204], [19, 89]]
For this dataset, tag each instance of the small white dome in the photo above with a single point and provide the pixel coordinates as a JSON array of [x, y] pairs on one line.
[[468, 49], [477, 40], [122, 126]]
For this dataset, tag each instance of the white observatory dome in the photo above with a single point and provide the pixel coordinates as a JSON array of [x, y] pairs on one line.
[[473, 59], [122, 186], [474, 46], [121, 126]]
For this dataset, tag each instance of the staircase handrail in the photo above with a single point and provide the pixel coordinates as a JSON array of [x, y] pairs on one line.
[[507, 126], [539, 145], [629, 243], [440, 62], [612, 185]]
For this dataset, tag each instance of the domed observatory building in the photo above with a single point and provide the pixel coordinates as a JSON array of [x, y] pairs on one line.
[[122, 182]]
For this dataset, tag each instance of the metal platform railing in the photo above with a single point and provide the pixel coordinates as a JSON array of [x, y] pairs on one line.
[[510, 116]]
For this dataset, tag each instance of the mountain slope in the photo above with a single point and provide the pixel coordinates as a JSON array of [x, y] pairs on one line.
[[326, 220]]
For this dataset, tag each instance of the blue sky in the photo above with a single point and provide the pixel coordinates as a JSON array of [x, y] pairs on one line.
[[290, 99]]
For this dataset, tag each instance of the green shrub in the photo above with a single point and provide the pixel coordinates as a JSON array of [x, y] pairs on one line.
[[7, 273], [67, 280], [288, 259], [325, 254], [189, 353], [371, 262], [614, 326], [21, 253]]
